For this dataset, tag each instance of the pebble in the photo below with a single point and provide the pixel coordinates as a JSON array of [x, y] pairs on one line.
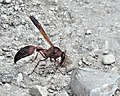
[[88, 32], [51, 90], [19, 77], [16, 8], [108, 59], [5, 49], [87, 60], [1, 52], [106, 48], [0, 83], [5, 26], [80, 63], [4, 17], [2, 57], [9, 55], [114, 69], [52, 8]]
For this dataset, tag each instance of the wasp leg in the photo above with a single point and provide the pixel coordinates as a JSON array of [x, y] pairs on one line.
[[36, 66], [33, 59], [57, 66]]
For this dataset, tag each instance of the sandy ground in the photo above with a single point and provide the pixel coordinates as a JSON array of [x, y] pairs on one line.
[[86, 29]]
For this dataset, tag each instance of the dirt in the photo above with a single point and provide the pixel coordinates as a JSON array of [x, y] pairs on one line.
[[86, 29]]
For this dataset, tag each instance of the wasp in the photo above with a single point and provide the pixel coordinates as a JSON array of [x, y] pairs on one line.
[[53, 52]]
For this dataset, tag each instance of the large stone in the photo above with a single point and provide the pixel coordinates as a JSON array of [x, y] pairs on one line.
[[89, 82]]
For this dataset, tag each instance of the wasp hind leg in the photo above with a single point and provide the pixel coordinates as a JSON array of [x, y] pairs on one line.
[[36, 66]]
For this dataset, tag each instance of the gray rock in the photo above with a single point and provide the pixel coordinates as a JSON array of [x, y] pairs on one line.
[[38, 91], [108, 59], [89, 82], [6, 78]]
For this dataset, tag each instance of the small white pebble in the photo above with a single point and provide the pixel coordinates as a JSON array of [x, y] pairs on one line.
[[80, 63], [88, 32], [16, 8], [19, 77], [0, 83], [108, 59], [5, 26]]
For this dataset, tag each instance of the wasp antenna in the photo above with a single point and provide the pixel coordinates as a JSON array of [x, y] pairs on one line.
[[35, 21]]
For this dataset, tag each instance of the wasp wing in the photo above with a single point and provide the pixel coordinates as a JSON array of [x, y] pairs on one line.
[[38, 25], [23, 52]]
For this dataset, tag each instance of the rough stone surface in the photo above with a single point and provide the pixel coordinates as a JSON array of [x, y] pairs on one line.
[[88, 82]]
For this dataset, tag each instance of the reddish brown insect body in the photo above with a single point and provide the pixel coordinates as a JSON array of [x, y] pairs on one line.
[[53, 52]]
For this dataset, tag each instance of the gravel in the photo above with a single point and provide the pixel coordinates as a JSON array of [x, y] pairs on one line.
[[87, 29]]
